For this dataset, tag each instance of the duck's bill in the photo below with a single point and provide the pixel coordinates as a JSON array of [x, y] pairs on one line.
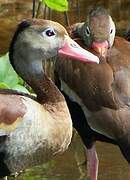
[[72, 49], [101, 47]]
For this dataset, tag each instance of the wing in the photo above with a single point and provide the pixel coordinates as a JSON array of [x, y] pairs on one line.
[[119, 61], [12, 111], [74, 30]]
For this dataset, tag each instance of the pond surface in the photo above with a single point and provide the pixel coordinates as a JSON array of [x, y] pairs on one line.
[[68, 165]]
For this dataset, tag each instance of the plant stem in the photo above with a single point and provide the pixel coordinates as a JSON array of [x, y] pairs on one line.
[[38, 9], [78, 10], [66, 19], [33, 9], [50, 13], [45, 11]]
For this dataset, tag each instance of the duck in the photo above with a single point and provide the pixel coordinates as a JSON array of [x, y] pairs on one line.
[[35, 129], [99, 92]]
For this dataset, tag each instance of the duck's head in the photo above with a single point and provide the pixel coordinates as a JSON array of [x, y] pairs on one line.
[[98, 31], [37, 40]]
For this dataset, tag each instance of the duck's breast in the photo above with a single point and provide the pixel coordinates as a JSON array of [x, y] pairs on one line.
[[30, 141]]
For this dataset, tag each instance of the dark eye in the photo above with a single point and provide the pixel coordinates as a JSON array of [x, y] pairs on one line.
[[111, 31], [87, 31], [50, 32]]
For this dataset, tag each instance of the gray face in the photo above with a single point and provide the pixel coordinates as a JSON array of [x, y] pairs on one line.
[[39, 41], [99, 27], [43, 42]]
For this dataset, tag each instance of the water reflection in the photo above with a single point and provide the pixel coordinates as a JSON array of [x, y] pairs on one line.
[[67, 165]]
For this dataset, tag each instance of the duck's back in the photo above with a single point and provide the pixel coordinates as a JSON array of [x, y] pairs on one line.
[[102, 89]]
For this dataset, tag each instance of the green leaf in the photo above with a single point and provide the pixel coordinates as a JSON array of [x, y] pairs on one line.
[[58, 5], [21, 81], [7, 73], [3, 66], [11, 78], [8, 77], [4, 86], [20, 88]]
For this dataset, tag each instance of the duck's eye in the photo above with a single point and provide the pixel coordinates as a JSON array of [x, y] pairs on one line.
[[50, 32], [87, 31], [111, 31]]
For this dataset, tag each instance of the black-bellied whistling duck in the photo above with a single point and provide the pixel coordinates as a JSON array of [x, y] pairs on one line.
[[102, 91], [32, 131]]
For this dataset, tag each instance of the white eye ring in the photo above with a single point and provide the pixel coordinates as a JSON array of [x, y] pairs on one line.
[[49, 32], [87, 31]]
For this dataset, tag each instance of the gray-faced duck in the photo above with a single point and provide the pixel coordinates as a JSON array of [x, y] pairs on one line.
[[102, 90], [32, 131]]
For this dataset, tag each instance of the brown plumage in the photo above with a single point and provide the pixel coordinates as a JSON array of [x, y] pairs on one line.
[[33, 130], [102, 90]]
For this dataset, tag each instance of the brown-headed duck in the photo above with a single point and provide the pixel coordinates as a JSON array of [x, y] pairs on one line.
[[33, 130], [102, 90]]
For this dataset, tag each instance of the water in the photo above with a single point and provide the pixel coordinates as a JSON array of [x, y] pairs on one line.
[[68, 165]]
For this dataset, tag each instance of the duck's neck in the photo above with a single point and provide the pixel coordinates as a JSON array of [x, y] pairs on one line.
[[46, 90], [31, 69]]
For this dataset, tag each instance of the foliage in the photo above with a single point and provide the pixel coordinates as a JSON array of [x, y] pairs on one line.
[[58, 5], [8, 77]]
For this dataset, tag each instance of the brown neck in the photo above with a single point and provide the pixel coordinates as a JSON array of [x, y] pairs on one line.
[[33, 73], [46, 91], [28, 63], [50, 97]]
